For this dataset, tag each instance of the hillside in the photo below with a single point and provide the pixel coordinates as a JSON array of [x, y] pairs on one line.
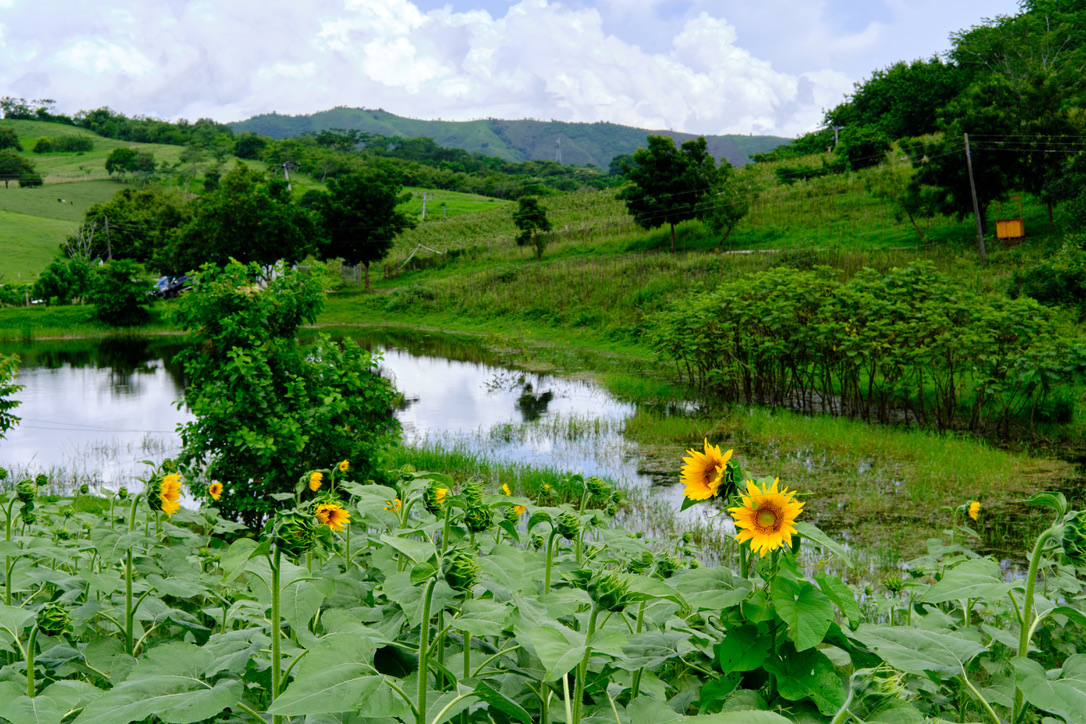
[[582, 144]]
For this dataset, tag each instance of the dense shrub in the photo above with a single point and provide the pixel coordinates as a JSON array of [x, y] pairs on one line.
[[119, 295], [64, 144], [63, 281]]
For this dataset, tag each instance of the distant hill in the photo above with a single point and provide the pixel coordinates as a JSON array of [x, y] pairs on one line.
[[582, 144]]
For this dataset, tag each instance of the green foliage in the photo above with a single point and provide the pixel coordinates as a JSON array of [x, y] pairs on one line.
[[250, 218], [668, 185], [361, 219], [64, 144], [531, 219], [128, 160], [14, 167], [9, 367], [137, 224], [119, 294], [261, 399], [1059, 281], [63, 281], [907, 343], [863, 146], [9, 138]]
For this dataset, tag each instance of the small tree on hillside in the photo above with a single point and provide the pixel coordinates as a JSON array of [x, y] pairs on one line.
[[9, 138], [531, 218], [668, 185], [14, 167], [361, 220], [726, 204], [121, 161]]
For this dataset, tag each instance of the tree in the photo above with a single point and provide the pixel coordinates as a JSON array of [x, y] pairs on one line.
[[63, 281], [268, 410], [668, 185], [136, 223], [9, 138], [863, 146], [121, 161], [119, 295], [249, 146], [250, 218], [361, 220], [726, 204], [14, 167], [531, 218]]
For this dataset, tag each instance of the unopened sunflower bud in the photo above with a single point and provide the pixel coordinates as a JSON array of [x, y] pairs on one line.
[[67, 513], [640, 565], [537, 542], [1073, 540], [688, 537], [874, 690], [596, 486], [122, 493], [894, 584], [53, 620], [42, 480], [609, 591], [295, 533], [478, 517], [612, 510], [84, 489], [667, 565], [3, 474], [461, 570], [26, 490], [569, 525], [473, 492], [433, 498]]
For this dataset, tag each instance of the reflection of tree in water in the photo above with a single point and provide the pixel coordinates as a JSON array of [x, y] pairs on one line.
[[125, 357], [531, 405]]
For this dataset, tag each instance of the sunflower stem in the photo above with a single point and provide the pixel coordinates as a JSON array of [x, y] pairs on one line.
[[129, 609], [424, 649], [550, 559], [276, 670], [30, 661]]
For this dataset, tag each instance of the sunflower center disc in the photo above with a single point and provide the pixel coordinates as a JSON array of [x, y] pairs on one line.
[[767, 518]]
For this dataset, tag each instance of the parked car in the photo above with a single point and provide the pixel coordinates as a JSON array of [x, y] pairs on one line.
[[170, 287]]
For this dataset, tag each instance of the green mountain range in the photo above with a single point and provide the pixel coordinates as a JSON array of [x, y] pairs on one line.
[[582, 144]]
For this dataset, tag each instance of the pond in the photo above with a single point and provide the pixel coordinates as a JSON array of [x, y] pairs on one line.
[[92, 410]]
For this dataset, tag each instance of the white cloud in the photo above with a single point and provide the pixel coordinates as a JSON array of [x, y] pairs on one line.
[[706, 66]]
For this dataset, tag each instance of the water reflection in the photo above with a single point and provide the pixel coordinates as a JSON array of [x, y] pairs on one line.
[[98, 408]]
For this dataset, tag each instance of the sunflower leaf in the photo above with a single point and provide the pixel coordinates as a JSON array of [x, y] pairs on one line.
[[918, 651], [808, 675], [807, 611], [815, 534]]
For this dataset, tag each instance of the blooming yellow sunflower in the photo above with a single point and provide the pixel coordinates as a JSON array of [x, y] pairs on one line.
[[169, 492], [974, 509], [505, 489], [393, 506], [215, 490], [703, 472], [520, 509], [315, 479], [344, 465], [332, 515], [766, 518], [439, 495]]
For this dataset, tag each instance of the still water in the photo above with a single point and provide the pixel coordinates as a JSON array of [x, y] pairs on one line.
[[93, 410]]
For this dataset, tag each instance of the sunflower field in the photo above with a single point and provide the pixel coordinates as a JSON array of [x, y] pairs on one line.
[[430, 601]]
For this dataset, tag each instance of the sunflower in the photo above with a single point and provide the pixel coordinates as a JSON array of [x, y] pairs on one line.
[[505, 489], [439, 495], [703, 472], [344, 465], [215, 490], [767, 518], [315, 481], [393, 505], [332, 515], [169, 492], [520, 509], [974, 509]]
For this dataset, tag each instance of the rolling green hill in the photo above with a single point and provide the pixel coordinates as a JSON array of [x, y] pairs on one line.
[[582, 144]]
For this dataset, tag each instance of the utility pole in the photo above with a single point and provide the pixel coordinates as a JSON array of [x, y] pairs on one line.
[[109, 247], [835, 136], [558, 149], [976, 205], [425, 197]]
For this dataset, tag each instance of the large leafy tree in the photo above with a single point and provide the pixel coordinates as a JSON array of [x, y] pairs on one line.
[[250, 218], [14, 167], [668, 185], [361, 218], [267, 409], [136, 223]]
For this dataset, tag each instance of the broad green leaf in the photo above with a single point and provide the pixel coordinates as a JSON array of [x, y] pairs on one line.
[[50, 706], [975, 578], [439, 701], [808, 675], [499, 701], [815, 534], [840, 594], [899, 713], [335, 676], [104, 583], [13, 619], [234, 560], [1056, 501], [1064, 696], [742, 649], [417, 550], [482, 617], [917, 651], [558, 648], [422, 573], [646, 709], [168, 684], [652, 648], [737, 717], [300, 603], [807, 611]]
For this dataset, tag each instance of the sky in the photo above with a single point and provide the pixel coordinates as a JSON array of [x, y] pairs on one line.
[[696, 66]]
